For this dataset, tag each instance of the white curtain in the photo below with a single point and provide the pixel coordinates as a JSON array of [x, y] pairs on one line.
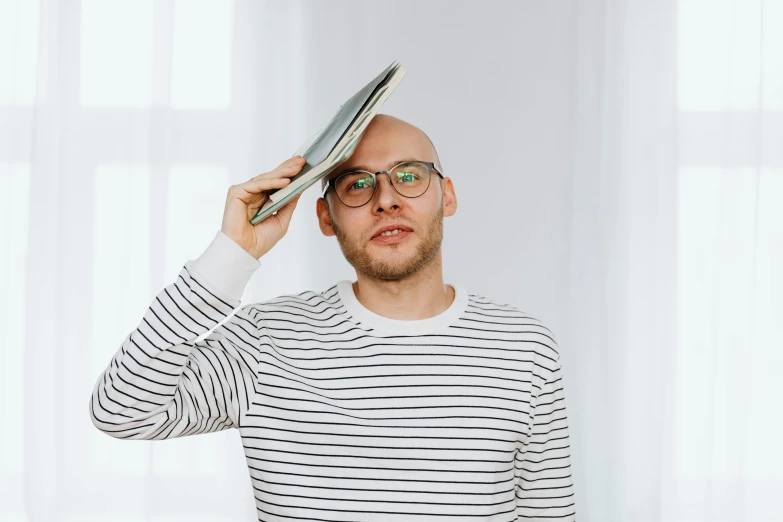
[[676, 230], [637, 146]]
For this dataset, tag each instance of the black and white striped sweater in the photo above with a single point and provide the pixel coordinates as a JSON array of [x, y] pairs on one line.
[[344, 414]]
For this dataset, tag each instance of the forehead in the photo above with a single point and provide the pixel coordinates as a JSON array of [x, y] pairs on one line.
[[382, 147]]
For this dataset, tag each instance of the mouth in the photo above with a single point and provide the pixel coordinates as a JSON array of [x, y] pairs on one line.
[[391, 239]]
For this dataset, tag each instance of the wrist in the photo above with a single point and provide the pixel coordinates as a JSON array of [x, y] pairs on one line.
[[226, 265]]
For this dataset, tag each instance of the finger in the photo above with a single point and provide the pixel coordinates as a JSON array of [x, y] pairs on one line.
[[296, 163], [280, 173], [285, 212], [256, 187], [294, 160]]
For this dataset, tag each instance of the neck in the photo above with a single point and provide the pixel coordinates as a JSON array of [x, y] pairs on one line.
[[420, 296]]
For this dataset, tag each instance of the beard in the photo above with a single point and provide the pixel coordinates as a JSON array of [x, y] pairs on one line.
[[394, 265]]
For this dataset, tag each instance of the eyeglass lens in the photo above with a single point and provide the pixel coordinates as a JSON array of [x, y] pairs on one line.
[[356, 188]]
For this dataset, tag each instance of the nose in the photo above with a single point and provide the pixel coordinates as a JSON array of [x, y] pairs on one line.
[[385, 196], [388, 177]]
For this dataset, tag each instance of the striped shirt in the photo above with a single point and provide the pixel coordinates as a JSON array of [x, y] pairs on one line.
[[345, 414]]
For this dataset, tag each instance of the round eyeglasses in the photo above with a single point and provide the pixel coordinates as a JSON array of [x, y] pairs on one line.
[[357, 187]]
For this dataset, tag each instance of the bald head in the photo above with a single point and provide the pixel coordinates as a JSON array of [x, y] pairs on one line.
[[388, 139]]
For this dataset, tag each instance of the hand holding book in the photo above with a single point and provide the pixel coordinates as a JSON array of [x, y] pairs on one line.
[[334, 143], [244, 200]]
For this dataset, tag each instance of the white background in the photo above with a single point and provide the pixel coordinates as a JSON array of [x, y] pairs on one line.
[[619, 172]]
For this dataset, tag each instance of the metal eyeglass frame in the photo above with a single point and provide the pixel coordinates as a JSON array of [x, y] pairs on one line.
[[429, 164]]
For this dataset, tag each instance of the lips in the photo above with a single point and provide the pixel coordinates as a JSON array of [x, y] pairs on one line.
[[381, 230]]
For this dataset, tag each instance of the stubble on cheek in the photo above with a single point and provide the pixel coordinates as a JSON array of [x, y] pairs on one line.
[[397, 265]]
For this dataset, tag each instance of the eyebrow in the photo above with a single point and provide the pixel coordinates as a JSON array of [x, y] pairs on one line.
[[368, 169]]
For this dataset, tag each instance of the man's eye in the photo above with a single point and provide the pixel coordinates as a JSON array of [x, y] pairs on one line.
[[360, 184]]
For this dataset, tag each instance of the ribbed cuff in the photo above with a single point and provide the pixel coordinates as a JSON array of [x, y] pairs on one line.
[[227, 266]]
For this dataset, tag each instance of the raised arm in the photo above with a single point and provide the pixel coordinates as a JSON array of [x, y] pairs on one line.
[[162, 382]]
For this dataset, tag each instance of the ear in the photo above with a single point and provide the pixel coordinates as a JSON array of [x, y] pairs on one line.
[[324, 218], [449, 197]]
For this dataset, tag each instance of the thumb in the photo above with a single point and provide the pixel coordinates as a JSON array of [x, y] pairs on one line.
[[286, 211]]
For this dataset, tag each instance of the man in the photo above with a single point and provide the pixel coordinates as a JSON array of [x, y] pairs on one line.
[[395, 397]]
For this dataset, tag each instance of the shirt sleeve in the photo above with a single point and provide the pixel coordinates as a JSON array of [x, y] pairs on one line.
[[542, 466], [163, 383]]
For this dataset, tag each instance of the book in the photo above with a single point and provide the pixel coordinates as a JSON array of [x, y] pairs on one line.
[[335, 143]]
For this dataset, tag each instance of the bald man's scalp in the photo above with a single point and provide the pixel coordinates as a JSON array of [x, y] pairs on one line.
[[387, 120]]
